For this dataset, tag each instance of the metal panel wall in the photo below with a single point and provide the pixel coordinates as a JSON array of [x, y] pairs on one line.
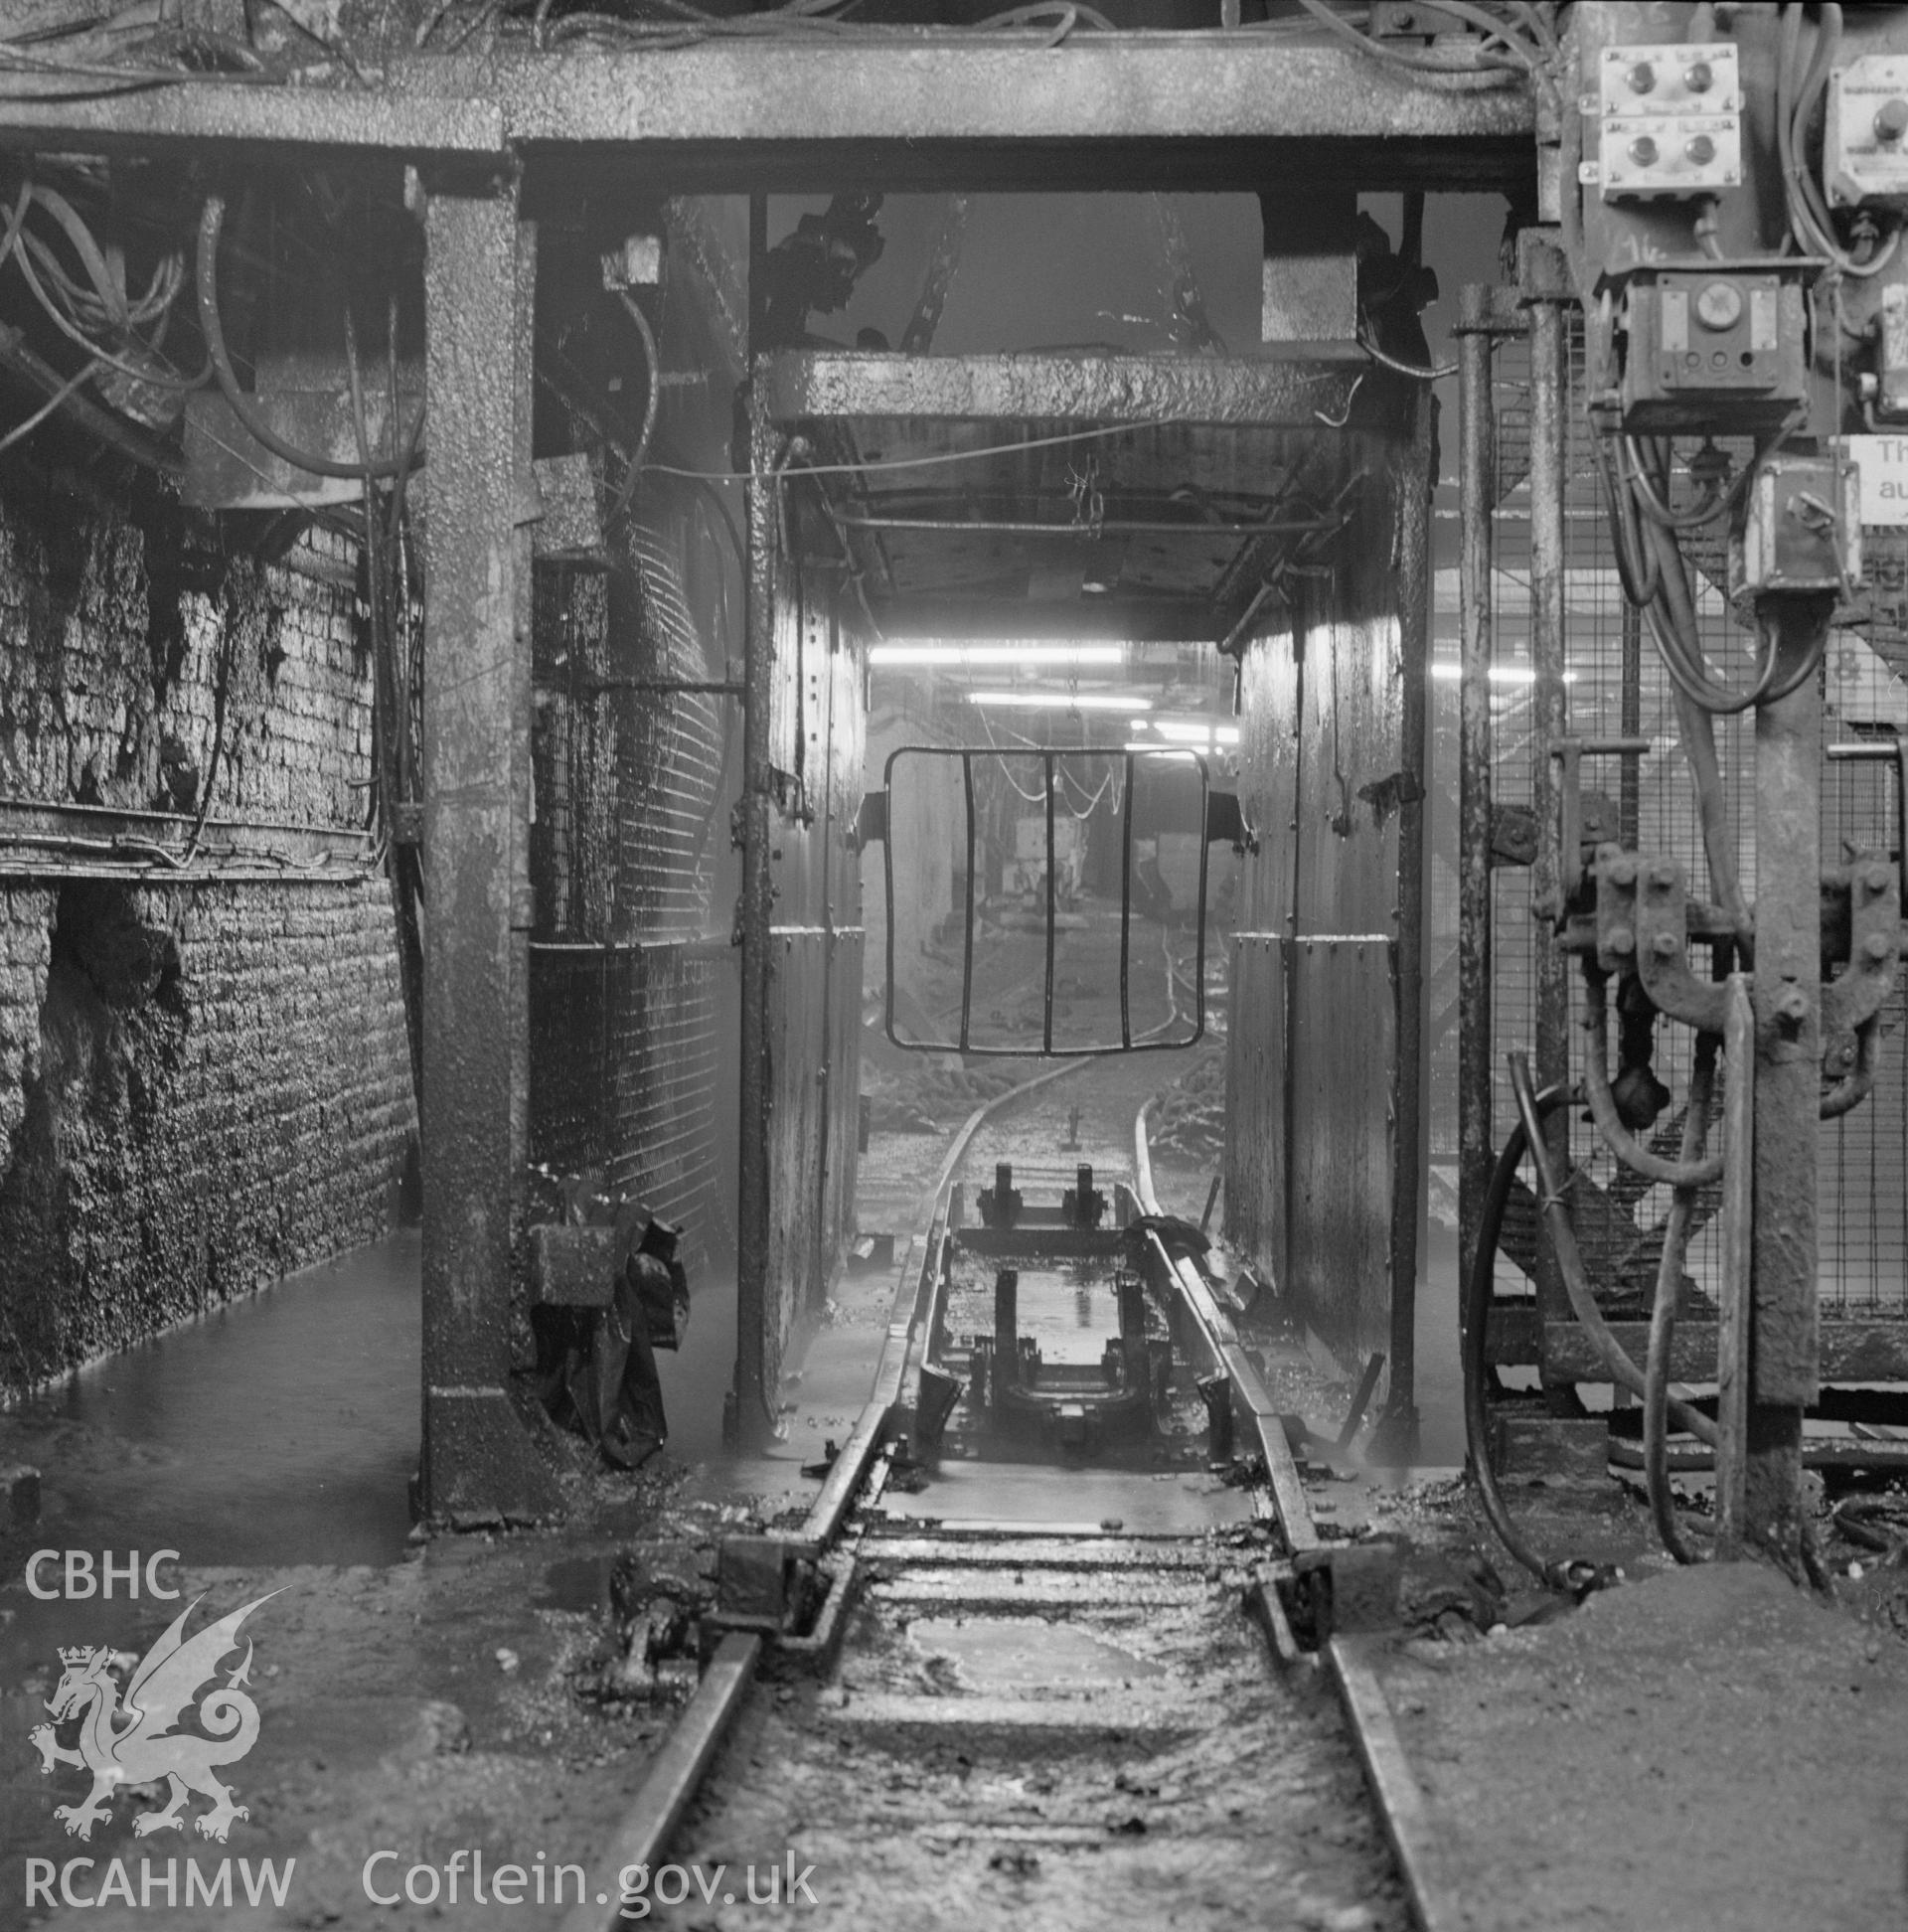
[[815, 955], [1322, 1160]]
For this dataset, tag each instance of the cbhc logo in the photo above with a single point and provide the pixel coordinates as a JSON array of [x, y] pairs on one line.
[[75, 1575]]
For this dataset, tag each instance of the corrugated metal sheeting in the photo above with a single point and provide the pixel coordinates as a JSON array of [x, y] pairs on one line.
[[1315, 1160], [624, 967]]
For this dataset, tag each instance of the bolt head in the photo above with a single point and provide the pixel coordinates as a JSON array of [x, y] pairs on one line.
[[1662, 875], [1622, 871], [1665, 945], [1878, 947], [1877, 876], [1792, 1006], [1623, 942]]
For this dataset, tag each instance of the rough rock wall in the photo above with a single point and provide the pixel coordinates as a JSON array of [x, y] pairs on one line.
[[203, 1083]]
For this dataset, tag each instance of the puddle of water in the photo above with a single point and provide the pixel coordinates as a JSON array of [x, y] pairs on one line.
[[280, 1429], [576, 1583], [1027, 1653]]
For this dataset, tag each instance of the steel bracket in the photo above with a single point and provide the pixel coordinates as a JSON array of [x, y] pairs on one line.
[[1569, 753], [1874, 937], [870, 823], [762, 1583], [1661, 929]]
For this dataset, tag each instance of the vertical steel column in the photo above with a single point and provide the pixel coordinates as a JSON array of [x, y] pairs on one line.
[[1396, 1432], [1549, 444], [479, 282], [750, 1414], [1737, 1218], [1477, 498], [1784, 1350]]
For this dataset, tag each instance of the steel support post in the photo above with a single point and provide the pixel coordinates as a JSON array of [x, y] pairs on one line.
[[1784, 1344], [1477, 488], [750, 1414], [1549, 445], [1396, 1434], [478, 1461]]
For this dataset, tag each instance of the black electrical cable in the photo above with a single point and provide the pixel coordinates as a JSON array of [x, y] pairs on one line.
[[1637, 567], [633, 470], [1476, 1313], [1576, 1282], [1662, 1310], [211, 222], [1686, 1173]]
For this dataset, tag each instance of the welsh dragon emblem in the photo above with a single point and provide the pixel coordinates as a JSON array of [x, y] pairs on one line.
[[138, 1741]]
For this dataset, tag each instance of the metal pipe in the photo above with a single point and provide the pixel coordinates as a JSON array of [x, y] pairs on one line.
[[1476, 484], [1053, 907], [973, 900], [1549, 433], [1126, 905], [1107, 527], [749, 1417]]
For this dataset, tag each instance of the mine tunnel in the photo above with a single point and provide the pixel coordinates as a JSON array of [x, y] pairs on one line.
[[949, 963]]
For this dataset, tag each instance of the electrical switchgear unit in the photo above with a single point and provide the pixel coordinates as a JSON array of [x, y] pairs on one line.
[[1866, 135], [1670, 122], [1720, 348]]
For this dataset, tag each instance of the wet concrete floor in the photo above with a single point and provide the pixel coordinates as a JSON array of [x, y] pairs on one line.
[[280, 1430]]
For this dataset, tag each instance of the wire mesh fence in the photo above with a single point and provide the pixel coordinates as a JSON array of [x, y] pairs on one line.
[[1615, 686]]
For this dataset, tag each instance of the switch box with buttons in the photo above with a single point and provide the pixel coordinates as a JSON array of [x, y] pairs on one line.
[[1670, 122], [1864, 140], [1719, 348]]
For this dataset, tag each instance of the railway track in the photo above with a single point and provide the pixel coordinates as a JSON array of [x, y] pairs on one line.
[[1051, 1674]]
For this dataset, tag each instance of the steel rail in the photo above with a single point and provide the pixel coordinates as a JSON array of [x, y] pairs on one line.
[[1223, 1344], [676, 1770], [1395, 1790], [684, 1756]]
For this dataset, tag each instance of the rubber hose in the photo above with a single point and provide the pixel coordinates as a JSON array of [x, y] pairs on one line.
[[1662, 1312], [210, 224], [1684, 1173], [1476, 1310], [1563, 1241]]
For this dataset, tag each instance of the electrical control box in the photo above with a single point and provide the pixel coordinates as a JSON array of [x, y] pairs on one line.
[[1864, 140], [1801, 527], [1670, 122], [1891, 374], [1722, 349]]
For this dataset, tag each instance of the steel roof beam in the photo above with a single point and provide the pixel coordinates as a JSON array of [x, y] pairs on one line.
[[1129, 109], [807, 385]]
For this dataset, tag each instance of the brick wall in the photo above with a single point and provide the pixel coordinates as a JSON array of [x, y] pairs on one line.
[[204, 1084]]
